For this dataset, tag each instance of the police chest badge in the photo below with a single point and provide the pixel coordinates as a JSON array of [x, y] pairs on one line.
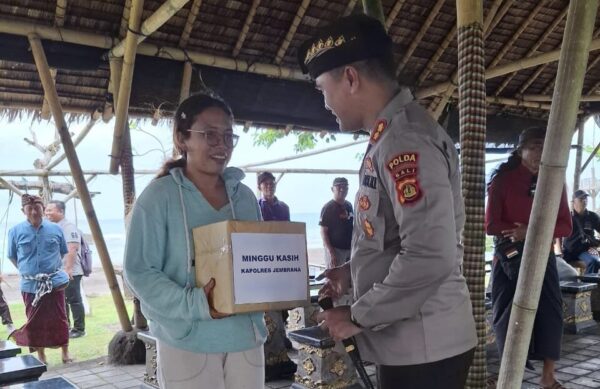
[[404, 169]]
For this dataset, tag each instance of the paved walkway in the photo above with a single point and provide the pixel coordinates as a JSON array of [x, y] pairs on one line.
[[579, 368]]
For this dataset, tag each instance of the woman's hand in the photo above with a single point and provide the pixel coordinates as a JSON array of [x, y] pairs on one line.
[[516, 234], [208, 291]]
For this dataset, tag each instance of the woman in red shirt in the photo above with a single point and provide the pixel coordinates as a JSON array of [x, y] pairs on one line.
[[510, 199]]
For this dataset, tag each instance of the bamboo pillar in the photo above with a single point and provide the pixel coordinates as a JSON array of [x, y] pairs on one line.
[[46, 190], [374, 9], [125, 84], [472, 103], [84, 194], [579, 155], [569, 82], [186, 81]]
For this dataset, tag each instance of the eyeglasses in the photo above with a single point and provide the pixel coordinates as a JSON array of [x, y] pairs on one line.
[[214, 137]]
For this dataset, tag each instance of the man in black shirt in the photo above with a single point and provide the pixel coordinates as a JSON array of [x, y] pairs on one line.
[[582, 244], [336, 225]]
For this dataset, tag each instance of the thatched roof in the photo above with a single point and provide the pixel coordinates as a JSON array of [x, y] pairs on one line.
[[269, 32]]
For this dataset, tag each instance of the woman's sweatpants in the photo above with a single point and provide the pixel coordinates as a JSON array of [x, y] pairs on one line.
[[548, 324], [180, 369]]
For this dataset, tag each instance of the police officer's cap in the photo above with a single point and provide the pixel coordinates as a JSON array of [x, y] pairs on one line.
[[349, 39]]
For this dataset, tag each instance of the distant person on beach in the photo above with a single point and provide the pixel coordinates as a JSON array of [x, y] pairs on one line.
[[55, 212], [411, 314], [336, 225], [36, 247], [5, 312], [197, 347], [270, 206]]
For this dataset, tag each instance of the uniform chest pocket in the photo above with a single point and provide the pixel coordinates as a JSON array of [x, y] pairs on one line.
[[25, 247], [370, 225], [51, 245]]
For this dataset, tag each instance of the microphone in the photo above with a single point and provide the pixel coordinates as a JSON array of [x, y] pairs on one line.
[[351, 348]]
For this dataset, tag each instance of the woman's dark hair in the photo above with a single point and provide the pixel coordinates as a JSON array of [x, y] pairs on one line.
[[513, 162], [184, 119]]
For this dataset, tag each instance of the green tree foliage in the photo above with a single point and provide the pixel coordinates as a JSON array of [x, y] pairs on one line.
[[305, 140]]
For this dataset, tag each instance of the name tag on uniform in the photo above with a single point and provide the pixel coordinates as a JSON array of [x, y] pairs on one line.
[[370, 182]]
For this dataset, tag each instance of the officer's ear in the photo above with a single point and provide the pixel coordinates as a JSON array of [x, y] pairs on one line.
[[352, 77]]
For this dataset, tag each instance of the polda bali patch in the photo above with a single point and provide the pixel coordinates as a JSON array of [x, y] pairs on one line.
[[408, 191], [378, 129]]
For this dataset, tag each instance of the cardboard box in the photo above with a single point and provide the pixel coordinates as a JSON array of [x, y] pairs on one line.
[[257, 266]]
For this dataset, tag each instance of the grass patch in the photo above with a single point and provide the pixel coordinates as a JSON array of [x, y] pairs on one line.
[[101, 325]]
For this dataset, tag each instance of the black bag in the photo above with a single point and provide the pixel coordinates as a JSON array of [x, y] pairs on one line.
[[509, 255]]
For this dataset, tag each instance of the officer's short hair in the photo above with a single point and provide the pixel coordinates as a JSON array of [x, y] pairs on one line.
[[59, 204]]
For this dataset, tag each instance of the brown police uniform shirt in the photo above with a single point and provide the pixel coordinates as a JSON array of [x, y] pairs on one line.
[[407, 252]]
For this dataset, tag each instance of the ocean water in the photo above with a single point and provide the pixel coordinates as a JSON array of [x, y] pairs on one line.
[[113, 231]]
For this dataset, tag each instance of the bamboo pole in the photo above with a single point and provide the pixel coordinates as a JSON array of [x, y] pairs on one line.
[[591, 156], [292, 31], [14, 27], [350, 7], [501, 70], [438, 54], [417, 39], [548, 98], [374, 9], [82, 134], [42, 66], [45, 112], [124, 19], [189, 23], [303, 155], [74, 191], [495, 18], [535, 47], [517, 103], [153, 23], [59, 15], [571, 72], [46, 190], [125, 83], [393, 13], [578, 154], [10, 187], [472, 123], [492, 13], [186, 81], [246, 27]]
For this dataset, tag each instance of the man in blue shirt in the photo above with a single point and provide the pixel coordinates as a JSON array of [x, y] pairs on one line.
[[36, 247], [270, 207]]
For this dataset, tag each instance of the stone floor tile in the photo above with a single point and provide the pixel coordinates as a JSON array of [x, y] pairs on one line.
[[586, 381], [575, 371]]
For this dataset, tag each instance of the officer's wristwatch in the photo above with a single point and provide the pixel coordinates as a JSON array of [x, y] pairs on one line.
[[353, 320]]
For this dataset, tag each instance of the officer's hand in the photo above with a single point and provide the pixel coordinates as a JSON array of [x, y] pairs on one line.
[[208, 290], [338, 321], [338, 281], [516, 234]]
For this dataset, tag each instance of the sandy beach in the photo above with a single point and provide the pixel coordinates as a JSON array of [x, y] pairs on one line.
[[96, 285]]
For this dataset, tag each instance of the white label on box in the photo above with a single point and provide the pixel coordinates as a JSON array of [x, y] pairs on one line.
[[269, 267]]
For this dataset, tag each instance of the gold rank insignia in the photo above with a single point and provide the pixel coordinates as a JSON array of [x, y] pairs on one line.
[[368, 229], [364, 203], [321, 46], [378, 130]]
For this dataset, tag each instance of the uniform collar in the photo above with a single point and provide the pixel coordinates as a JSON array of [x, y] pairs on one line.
[[402, 98]]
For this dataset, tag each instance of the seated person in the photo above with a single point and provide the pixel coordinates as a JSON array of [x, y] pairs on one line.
[[582, 244]]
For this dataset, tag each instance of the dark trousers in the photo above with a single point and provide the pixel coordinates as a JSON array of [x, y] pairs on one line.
[[548, 325], [450, 373], [4, 311], [75, 304]]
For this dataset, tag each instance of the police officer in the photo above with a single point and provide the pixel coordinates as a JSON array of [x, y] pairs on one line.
[[411, 313]]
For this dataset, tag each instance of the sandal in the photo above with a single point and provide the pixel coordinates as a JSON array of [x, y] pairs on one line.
[[555, 385], [68, 360]]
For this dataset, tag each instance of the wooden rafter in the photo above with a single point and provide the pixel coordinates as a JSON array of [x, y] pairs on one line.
[[151, 24], [350, 7], [548, 98], [438, 54], [491, 14], [45, 113], [292, 31], [550, 84], [189, 23], [125, 19], [508, 45], [393, 14], [417, 39], [541, 69], [495, 18], [59, 15], [536, 46], [245, 28]]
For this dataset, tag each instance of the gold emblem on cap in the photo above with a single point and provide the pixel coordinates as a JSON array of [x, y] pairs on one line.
[[320, 46]]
